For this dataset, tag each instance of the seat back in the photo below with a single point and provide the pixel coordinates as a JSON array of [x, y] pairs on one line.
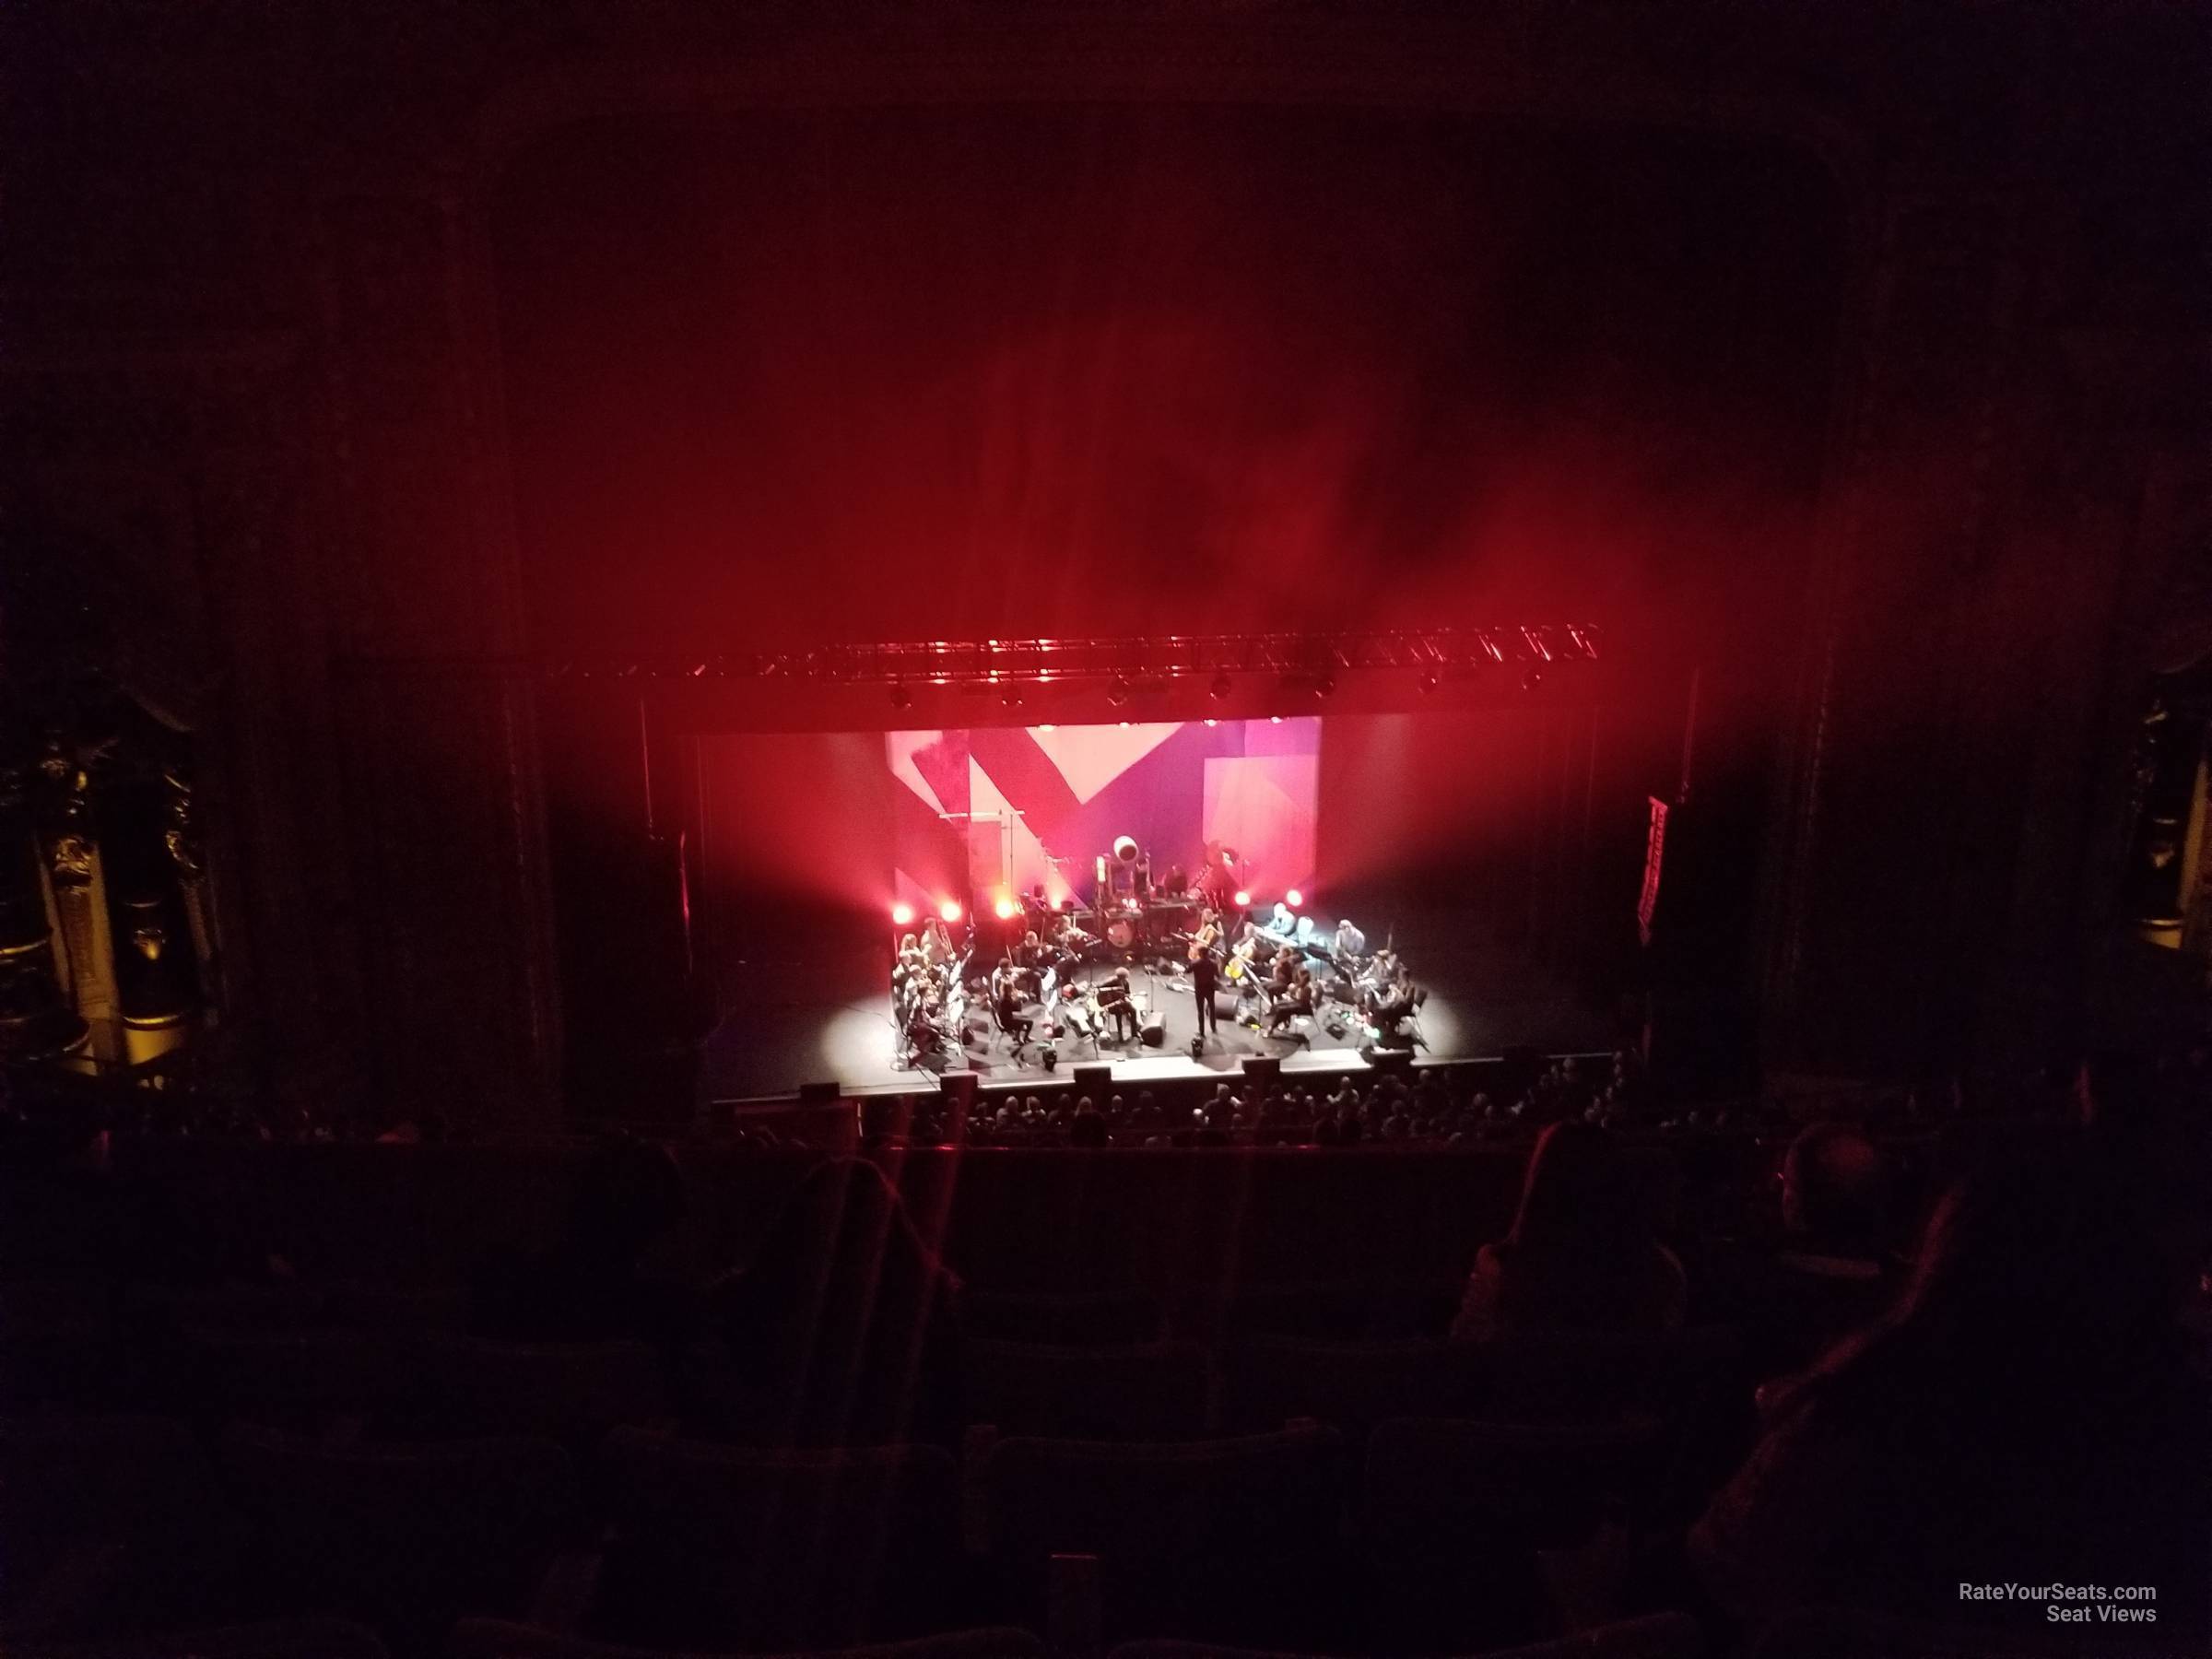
[[1228, 1539], [1436, 1483], [572, 1393], [296, 1379], [266, 1639], [111, 1523], [1582, 1376], [1352, 1385], [723, 1546], [59, 1345], [406, 1538], [493, 1639], [1146, 1390], [242, 1308], [398, 1308], [1082, 1319], [1453, 1513], [1659, 1636]]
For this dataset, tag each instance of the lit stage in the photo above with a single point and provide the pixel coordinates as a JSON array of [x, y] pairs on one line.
[[1482, 999], [827, 857]]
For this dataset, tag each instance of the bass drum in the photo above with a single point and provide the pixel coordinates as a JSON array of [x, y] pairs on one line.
[[1121, 933]]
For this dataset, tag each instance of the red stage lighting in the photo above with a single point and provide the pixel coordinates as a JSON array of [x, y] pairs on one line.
[[1294, 898], [902, 915], [949, 910], [1007, 910], [1243, 900]]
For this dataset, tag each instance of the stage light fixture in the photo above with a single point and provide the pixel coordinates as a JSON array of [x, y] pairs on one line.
[[949, 910], [1006, 908], [1533, 677], [1048, 728], [902, 915], [1050, 1057], [1243, 900], [900, 697], [1430, 681], [1325, 686], [1219, 689], [1275, 720], [1125, 725], [1213, 722], [1118, 693], [1294, 898]]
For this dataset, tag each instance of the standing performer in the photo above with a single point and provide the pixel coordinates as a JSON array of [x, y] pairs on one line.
[[1205, 975], [936, 943]]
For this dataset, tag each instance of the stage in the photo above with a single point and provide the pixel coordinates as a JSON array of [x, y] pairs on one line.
[[1482, 999]]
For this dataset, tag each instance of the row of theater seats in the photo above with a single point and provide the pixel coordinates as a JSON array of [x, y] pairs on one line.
[[392, 1364], [1661, 1636], [180, 1457], [177, 1454], [1430, 1541]]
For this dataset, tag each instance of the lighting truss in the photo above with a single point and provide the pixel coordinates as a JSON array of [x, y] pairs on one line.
[[1138, 661]]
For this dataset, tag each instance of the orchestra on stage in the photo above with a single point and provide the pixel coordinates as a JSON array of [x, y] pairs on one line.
[[1090, 977]]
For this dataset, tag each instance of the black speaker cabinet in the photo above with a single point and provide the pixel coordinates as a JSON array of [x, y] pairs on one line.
[[1096, 1081], [1263, 1069], [1156, 1030]]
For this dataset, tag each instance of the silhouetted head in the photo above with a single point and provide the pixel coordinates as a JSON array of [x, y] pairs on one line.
[[1832, 1182], [2043, 1287]]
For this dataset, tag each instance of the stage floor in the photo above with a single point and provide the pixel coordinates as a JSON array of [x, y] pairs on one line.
[[1481, 1001]]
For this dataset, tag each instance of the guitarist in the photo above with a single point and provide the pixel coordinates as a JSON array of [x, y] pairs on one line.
[[1206, 973]]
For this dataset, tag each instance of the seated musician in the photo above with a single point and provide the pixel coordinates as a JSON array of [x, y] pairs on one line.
[[1072, 940], [1006, 1004], [1117, 1002], [1395, 1008], [910, 954], [1296, 999], [1349, 945], [1032, 955]]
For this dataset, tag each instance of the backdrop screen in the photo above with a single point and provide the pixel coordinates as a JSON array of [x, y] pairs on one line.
[[1023, 807]]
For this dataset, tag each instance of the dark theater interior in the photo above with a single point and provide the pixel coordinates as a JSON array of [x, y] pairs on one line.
[[1046, 830]]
